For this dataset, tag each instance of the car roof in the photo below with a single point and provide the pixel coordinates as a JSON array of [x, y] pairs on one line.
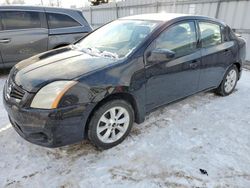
[[35, 8], [155, 16], [164, 17]]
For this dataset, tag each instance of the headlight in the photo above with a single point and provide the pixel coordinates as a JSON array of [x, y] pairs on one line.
[[50, 95]]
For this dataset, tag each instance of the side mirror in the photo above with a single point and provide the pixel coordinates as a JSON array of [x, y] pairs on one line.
[[160, 55]]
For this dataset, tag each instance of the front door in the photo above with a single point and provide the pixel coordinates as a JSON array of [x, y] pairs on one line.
[[176, 78], [23, 35]]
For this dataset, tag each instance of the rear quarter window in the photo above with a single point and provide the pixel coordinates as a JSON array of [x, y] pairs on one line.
[[12, 20], [56, 20]]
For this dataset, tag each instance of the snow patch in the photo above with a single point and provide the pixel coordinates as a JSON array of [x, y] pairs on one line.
[[204, 131]]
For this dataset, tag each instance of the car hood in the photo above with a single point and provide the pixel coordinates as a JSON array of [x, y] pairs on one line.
[[62, 64]]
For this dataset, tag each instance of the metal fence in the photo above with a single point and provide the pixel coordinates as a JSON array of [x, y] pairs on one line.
[[236, 13]]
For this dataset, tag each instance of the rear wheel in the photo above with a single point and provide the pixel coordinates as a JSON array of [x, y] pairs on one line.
[[229, 81], [111, 124]]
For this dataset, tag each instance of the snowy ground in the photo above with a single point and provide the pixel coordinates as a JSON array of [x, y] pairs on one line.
[[168, 150]]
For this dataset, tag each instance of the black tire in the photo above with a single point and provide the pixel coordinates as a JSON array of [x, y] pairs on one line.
[[221, 89], [94, 122]]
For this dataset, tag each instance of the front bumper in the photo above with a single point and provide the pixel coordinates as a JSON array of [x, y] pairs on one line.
[[49, 128]]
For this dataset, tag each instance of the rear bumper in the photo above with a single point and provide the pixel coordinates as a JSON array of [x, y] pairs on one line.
[[50, 128]]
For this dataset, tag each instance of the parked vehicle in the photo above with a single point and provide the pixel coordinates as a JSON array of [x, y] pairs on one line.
[[26, 31], [99, 86]]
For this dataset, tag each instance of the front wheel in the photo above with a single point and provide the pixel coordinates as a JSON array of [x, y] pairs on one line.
[[111, 124], [229, 81]]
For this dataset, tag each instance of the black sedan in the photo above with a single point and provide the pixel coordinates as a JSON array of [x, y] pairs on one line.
[[98, 87]]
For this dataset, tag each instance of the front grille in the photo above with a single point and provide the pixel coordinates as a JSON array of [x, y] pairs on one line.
[[16, 92]]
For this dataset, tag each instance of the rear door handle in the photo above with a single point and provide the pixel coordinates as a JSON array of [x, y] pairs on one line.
[[5, 40], [193, 64]]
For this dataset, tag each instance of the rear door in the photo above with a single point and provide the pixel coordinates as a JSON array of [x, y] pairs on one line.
[[217, 54], [24, 34], [65, 28]]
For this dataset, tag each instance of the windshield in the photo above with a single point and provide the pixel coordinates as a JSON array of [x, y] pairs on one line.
[[117, 39]]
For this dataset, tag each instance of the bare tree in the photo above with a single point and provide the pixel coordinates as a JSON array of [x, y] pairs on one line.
[[18, 2], [98, 2], [7, 2], [55, 3], [59, 3]]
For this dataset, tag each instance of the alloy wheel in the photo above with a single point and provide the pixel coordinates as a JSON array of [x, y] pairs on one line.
[[231, 80], [113, 124]]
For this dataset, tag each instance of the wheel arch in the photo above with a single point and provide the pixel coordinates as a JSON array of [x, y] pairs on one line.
[[239, 67], [139, 117]]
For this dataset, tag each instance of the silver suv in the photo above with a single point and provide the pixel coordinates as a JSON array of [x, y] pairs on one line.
[[26, 31]]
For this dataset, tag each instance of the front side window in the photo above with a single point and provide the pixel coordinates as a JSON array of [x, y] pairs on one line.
[[210, 34], [180, 38], [12, 20], [61, 21], [117, 38]]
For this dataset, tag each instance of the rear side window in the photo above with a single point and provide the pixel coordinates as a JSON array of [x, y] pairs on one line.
[[210, 34], [61, 21], [12, 20]]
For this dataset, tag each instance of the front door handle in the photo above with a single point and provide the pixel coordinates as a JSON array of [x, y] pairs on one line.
[[193, 64], [5, 40]]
